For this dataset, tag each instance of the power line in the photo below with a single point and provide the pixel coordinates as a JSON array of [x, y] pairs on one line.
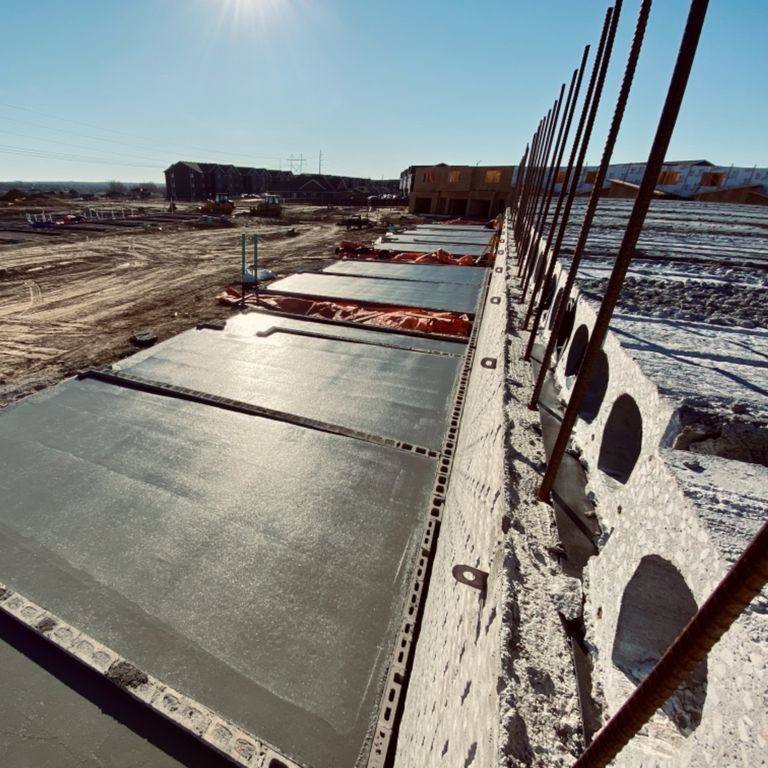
[[175, 149], [43, 155]]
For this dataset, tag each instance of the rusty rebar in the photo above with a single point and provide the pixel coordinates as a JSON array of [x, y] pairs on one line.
[[729, 598], [653, 167], [559, 308], [526, 182], [573, 170], [531, 177], [518, 176], [554, 166], [591, 106], [539, 176]]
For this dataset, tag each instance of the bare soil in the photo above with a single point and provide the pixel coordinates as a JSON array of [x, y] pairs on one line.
[[65, 306]]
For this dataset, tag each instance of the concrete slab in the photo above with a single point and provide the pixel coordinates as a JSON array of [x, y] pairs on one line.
[[427, 245], [443, 229], [255, 566], [395, 393], [263, 323], [479, 237], [430, 273], [400, 293], [47, 722]]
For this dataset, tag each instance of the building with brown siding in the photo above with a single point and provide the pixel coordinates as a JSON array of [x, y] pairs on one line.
[[473, 191]]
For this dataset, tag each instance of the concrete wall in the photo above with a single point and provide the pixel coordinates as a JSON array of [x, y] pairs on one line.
[[696, 521], [492, 681]]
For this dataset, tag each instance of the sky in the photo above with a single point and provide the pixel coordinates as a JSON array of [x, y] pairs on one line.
[[106, 89]]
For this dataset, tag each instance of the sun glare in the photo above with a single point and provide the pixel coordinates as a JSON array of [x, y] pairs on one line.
[[241, 15]]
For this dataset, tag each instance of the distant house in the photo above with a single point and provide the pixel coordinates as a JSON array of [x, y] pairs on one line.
[[682, 179], [475, 191], [203, 181]]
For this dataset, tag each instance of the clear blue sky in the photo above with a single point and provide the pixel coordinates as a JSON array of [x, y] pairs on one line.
[[105, 89]]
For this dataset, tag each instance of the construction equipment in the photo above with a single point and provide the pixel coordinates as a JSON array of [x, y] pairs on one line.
[[221, 205], [267, 205], [356, 222]]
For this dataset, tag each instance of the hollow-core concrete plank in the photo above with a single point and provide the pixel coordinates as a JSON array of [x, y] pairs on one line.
[[255, 566], [394, 270], [393, 393], [452, 297]]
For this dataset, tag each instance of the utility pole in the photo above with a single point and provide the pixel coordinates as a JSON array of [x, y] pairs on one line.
[[320, 163]]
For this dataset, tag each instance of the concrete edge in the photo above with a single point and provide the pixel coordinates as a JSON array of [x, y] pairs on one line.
[[217, 733]]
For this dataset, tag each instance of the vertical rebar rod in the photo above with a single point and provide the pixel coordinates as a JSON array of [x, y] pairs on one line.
[[242, 269], [535, 168], [653, 167], [559, 308], [539, 179], [519, 214], [591, 106], [730, 597], [518, 178], [565, 129], [546, 162], [564, 196]]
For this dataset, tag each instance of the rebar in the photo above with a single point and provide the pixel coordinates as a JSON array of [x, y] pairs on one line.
[[726, 603], [653, 167], [573, 170]]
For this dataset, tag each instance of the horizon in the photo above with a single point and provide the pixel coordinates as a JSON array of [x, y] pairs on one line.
[[352, 89]]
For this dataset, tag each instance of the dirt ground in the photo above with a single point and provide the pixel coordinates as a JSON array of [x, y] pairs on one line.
[[67, 306]]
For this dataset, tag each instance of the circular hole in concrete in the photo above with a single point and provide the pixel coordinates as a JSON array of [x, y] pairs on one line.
[[596, 389], [576, 351], [655, 607], [622, 439]]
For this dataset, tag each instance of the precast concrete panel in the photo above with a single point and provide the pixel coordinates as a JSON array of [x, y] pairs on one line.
[[254, 565], [452, 297]]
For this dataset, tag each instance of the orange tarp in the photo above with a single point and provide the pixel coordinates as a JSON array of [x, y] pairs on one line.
[[404, 318]]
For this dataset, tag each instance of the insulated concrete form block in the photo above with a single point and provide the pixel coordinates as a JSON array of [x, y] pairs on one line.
[[491, 673], [451, 714], [693, 514]]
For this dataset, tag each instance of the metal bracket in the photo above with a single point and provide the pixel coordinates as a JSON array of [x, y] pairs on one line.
[[471, 577]]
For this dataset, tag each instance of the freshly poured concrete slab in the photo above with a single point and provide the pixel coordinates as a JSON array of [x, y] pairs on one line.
[[263, 323], [380, 390], [47, 723], [447, 229], [479, 237], [452, 297], [393, 270], [422, 246], [255, 566]]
